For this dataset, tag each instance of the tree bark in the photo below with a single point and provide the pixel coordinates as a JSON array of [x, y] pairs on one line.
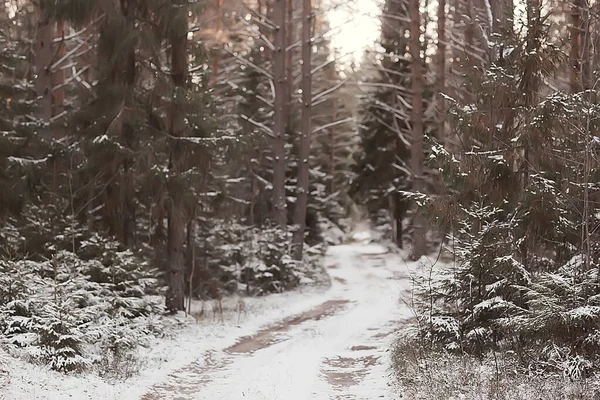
[[175, 299], [127, 186], [216, 57], [502, 15], [304, 153], [289, 61], [43, 60], [59, 76], [416, 149], [441, 78], [280, 117], [575, 54], [586, 75]]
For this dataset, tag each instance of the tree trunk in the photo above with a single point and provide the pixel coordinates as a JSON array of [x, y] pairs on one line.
[[216, 57], [416, 149], [586, 78], [304, 153], [59, 76], [332, 150], [398, 214], [175, 299], [470, 62], [441, 78], [278, 144], [190, 241], [289, 61], [127, 186], [575, 54], [176, 209], [502, 15], [43, 61]]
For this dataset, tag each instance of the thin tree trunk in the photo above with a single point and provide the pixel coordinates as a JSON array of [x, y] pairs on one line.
[[175, 299], [253, 195], [43, 60], [419, 228], [304, 153], [127, 186], [586, 80], [502, 15], [470, 60], [216, 58], [278, 144], [59, 76], [191, 257], [332, 149], [441, 78], [86, 59], [289, 61], [398, 207], [289, 76], [575, 54]]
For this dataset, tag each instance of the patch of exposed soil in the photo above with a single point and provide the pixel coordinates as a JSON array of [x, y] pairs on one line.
[[342, 372], [273, 334], [189, 381], [362, 347]]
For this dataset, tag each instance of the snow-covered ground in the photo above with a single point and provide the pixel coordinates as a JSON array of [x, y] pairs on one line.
[[315, 344]]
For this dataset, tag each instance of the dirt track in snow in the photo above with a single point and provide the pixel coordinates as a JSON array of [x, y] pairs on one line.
[[337, 350]]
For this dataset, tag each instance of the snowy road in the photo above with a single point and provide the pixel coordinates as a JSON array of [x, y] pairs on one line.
[[336, 350]]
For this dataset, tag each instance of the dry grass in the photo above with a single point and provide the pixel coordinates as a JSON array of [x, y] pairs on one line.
[[430, 375]]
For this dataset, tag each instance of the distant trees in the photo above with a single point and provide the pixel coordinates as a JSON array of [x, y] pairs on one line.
[[382, 166], [394, 125]]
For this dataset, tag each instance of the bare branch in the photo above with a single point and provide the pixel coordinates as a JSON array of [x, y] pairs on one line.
[[330, 90], [332, 124], [69, 54], [250, 64], [268, 130]]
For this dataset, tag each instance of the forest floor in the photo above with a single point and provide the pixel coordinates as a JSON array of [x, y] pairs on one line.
[[313, 344]]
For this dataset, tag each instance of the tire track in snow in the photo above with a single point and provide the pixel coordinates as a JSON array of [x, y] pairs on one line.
[[349, 370], [190, 380], [337, 350], [269, 336]]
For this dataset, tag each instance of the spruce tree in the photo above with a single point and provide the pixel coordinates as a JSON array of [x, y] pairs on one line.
[[524, 268], [23, 156]]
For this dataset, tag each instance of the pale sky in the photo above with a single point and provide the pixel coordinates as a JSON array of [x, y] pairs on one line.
[[355, 26]]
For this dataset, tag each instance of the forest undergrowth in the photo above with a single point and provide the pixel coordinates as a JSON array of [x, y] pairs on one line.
[[89, 310]]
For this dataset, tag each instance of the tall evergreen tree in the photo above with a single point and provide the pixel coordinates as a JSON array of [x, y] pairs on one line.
[[381, 169]]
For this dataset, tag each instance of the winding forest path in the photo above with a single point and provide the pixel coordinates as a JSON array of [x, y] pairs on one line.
[[337, 350]]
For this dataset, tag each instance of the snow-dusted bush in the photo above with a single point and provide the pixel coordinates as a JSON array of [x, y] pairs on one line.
[[254, 260], [71, 313]]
